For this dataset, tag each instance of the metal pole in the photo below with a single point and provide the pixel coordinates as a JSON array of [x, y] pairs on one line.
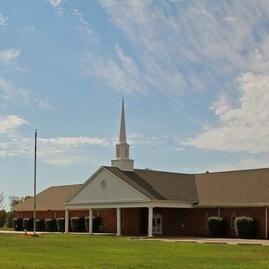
[[35, 182]]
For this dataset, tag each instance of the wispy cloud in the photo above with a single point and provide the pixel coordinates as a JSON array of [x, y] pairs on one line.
[[55, 150], [3, 20], [247, 163], [243, 127], [84, 28], [178, 46], [10, 122], [9, 55], [57, 5], [121, 74], [11, 93]]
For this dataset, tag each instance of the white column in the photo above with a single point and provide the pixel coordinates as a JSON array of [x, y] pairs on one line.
[[90, 221], [150, 221], [118, 221], [66, 218]]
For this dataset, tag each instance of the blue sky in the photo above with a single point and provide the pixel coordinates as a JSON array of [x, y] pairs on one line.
[[195, 76]]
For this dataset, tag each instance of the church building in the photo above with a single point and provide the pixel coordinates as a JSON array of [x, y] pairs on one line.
[[123, 200]]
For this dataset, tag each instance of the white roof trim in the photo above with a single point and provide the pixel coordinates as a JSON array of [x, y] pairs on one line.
[[93, 176]]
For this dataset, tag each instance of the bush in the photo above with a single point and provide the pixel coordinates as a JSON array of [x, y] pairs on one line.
[[50, 225], [60, 223], [77, 224], [246, 227], [17, 224], [217, 226], [3, 215], [40, 225], [27, 224]]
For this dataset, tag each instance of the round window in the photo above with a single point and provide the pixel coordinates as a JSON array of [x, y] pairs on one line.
[[103, 184]]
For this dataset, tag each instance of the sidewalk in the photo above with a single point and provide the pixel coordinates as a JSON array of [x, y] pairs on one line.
[[203, 240]]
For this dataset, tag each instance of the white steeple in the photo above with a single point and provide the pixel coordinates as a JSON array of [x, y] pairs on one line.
[[122, 148], [122, 136]]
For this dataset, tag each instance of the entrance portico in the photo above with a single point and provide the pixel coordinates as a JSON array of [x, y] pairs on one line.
[[127, 216]]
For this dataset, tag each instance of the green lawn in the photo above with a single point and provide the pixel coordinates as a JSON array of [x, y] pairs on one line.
[[82, 251]]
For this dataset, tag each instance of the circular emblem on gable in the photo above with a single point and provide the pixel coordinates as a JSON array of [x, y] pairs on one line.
[[103, 184]]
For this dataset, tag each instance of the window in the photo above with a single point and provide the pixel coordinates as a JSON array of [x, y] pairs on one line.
[[233, 217], [206, 218]]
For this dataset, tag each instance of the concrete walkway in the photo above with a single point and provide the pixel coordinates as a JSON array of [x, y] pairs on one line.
[[203, 240]]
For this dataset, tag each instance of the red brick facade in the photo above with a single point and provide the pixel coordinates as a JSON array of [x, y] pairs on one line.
[[176, 221]]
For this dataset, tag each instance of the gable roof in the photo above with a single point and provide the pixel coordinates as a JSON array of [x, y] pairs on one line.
[[159, 185], [243, 187], [233, 187], [52, 198]]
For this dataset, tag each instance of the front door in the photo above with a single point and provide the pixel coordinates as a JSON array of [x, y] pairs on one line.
[[157, 224]]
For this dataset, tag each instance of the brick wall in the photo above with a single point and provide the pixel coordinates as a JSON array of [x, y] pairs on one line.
[[176, 221]]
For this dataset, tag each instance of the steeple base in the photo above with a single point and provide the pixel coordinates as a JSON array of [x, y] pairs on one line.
[[123, 164]]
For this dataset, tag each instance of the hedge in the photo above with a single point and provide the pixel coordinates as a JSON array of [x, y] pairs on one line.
[[60, 224], [217, 226], [40, 225], [17, 224], [246, 227], [50, 225], [77, 224], [27, 224]]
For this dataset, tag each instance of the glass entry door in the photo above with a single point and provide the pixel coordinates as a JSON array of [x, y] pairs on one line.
[[157, 224]]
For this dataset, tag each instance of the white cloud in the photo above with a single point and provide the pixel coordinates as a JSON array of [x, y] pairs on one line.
[[57, 5], [10, 122], [121, 74], [9, 55], [55, 150], [179, 46], [243, 128], [240, 165], [3, 20], [11, 93], [84, 27]]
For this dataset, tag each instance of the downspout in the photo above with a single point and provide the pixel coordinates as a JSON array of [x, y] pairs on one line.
[[266, 222]]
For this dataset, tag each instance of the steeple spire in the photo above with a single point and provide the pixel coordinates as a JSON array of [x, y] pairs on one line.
[[122, 137], [122, 148]]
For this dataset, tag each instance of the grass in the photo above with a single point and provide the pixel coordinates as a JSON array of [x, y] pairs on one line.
[[82, 251]]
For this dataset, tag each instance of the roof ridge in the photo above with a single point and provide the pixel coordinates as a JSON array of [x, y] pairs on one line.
[[231, 171]]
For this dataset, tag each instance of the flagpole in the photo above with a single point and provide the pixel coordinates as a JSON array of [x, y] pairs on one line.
[[35, 183]]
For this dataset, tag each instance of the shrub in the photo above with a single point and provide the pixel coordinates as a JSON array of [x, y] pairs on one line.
[[60, 223], [77, 224], [246, 227], [40, 225], [50, 225], [27, 224], [17, 224], [217, 226]]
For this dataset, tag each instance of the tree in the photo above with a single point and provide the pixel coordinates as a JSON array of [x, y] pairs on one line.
[[2, 199], [2, 210], [14, 200]]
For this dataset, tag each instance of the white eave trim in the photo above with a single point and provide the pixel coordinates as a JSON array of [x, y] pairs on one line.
[[130, 204]]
